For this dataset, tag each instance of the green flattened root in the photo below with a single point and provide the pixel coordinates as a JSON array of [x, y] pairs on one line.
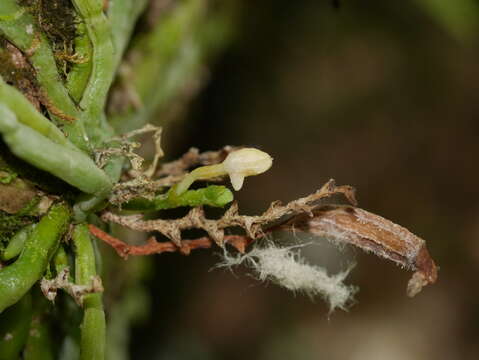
[[17, 278]]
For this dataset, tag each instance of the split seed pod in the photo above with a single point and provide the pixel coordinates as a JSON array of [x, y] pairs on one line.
[[370, 232]]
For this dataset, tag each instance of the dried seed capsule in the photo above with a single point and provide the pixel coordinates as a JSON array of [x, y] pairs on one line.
[[370, 232]]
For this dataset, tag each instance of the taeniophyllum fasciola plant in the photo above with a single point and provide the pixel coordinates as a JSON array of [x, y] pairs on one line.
[[78, 86]]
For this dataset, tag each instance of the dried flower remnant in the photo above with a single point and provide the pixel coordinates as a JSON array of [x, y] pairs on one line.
[[138, 181], [126, 147], [370, 232], [62, 281]]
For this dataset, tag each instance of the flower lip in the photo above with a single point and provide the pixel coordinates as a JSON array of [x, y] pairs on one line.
[[246, 162]]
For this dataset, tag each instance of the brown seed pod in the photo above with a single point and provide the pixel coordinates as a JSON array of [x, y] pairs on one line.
[[370, 232]]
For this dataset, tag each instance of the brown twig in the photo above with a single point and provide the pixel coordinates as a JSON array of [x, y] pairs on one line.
[[154, 247]]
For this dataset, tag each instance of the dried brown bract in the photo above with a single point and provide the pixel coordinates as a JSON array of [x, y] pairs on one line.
[[62, 281], [370, 232], [138, 182]]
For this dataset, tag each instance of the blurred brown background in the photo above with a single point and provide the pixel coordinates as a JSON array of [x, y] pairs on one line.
[[380, 95]]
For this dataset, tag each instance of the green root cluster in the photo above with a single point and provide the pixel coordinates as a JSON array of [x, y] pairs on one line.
[[58, 60]]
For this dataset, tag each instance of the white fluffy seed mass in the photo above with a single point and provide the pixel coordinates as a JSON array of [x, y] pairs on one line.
[[285, 267]]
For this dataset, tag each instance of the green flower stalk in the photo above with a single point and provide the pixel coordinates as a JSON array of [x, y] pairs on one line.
[[213, 195]]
